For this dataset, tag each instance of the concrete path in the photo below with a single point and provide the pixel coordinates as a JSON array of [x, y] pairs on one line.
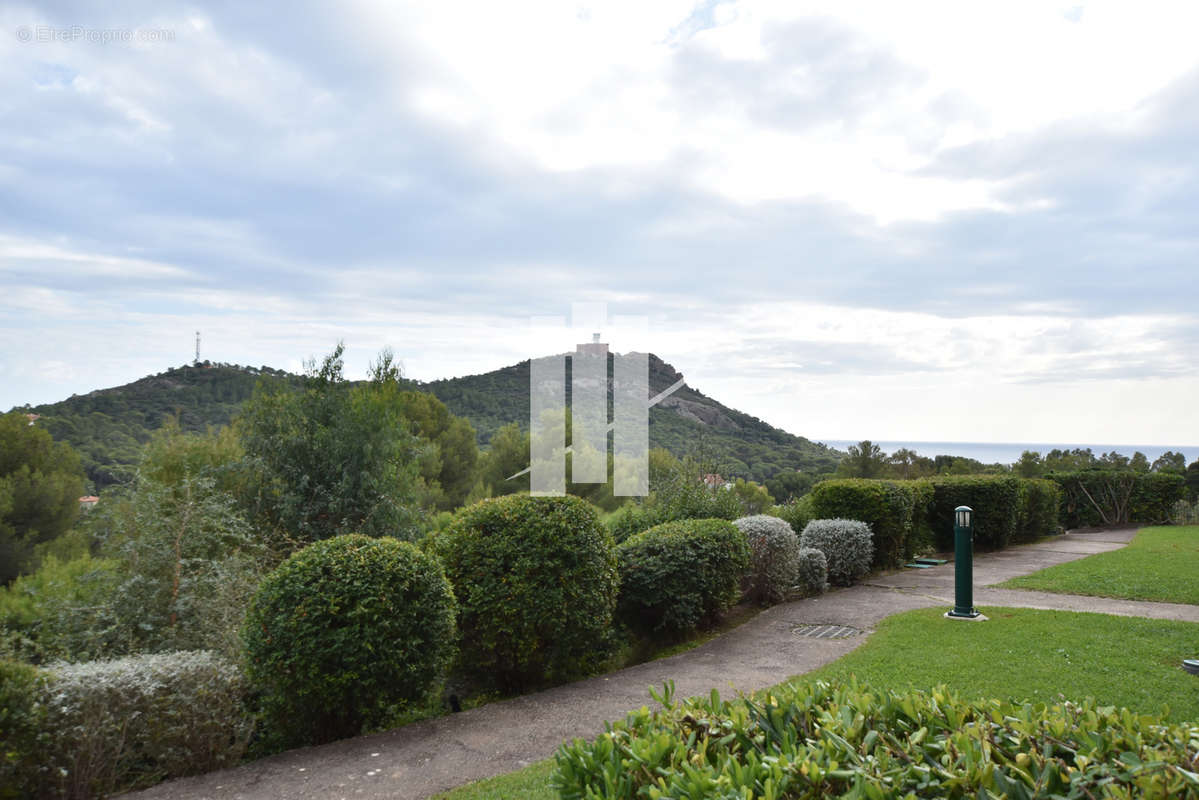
[[428, 757]]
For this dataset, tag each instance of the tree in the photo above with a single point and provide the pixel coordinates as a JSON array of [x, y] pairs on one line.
[[448, 467], [1114, 460], [329, 457], [1030, 465], [910, 464], [787, 486], [1138, 462], [1170, 461], [1193, 480], [508, 455], [40, 485], [864, 460], [753, 497]]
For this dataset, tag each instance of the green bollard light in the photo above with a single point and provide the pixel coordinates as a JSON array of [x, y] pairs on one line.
[[963, 565]]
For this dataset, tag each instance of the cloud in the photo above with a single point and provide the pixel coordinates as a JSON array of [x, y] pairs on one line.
[[799, 192]]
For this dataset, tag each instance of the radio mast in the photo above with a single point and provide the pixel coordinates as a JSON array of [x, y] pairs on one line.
[[197, 348]]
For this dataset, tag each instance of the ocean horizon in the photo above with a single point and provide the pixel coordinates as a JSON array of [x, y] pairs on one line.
[[1009, 452]]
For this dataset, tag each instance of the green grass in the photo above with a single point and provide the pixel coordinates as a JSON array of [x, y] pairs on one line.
[[1027, 654], [1023, 654], [530, 783], [1159, 564]]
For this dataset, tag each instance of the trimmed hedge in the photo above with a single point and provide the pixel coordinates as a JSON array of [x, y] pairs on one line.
[[679, 575], [815, 740], [894, 510], [536, 581], [1115, 497], [846, 544], [813, 571], [343, 632], [1040, 501], [101, 727], [994, 499]]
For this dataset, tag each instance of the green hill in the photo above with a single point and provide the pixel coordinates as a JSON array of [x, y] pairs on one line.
[[109, 426], [742, 445]]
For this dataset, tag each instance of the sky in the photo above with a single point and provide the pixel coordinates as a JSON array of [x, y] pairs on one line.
[[935, 221]]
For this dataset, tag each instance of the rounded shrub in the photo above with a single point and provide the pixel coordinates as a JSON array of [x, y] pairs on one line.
[[345, 631], [536, 583], [774, 557], [679, 575], [812, 571], [846, 544]]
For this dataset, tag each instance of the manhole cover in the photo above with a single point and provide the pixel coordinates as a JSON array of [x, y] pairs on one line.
[[826, 631]]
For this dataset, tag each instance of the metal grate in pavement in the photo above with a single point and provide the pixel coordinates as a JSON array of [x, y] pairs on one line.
[[826, 631]]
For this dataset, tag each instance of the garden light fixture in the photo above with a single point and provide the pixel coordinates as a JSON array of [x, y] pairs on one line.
[[963, 565]]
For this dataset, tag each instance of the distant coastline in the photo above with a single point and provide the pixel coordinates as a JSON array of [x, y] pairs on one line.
[[1008, 453]]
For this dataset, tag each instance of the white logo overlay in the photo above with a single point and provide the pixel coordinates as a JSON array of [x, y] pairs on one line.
[[588, 425]]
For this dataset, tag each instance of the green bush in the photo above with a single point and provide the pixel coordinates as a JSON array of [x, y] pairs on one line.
[[344, 632], [22, 724], [1040, 503], [890, 508], [817, 740], [536, 582], [1117, 497], [796, 513], [994, 499], [679, 575], [110, 726], [1155, 495]]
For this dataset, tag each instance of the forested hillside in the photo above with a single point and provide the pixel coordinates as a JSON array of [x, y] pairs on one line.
[[742, 446], [108, 427]]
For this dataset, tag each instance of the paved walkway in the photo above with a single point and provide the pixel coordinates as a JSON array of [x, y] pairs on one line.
[[428, 757]]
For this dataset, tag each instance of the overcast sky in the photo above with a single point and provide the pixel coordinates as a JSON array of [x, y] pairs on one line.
[[952, 221]]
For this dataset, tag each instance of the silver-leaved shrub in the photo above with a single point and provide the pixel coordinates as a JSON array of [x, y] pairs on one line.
[[846, 544], [774, 558], [813, 571], [109, 726]]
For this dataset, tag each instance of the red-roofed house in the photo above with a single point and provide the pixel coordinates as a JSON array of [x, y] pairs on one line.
[[88, 501]]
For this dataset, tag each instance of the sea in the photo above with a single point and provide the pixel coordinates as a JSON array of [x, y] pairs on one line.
[[1009, 452]]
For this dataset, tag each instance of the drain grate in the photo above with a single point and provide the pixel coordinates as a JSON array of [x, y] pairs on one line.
[[826, 631]]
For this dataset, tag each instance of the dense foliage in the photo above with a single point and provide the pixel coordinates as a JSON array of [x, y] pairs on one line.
[[996, 504], [346, 630], [331, 457], [1115, 497], [679, 575], [896, 512], [536, 583], [104, 727], [812, 571], [744, 446], [108, 427], [40, 485], [846, 544], [774, 558], [817, 740], [1040, 504]]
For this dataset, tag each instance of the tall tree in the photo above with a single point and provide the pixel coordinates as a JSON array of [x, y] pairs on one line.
[[330, 457], [507, 455], [864, 460], [1030, 465], [40, 484], [1170, 461]]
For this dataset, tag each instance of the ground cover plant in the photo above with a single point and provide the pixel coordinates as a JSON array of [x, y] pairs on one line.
[[1018, 653], [1159, 564]]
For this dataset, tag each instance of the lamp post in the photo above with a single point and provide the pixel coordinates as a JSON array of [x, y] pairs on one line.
[[963, 565]]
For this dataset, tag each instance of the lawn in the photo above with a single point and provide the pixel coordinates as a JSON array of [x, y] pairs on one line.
[[1017, 653], [1159, 564]]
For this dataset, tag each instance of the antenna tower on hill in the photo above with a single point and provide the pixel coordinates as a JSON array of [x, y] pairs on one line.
[[197, 348]]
